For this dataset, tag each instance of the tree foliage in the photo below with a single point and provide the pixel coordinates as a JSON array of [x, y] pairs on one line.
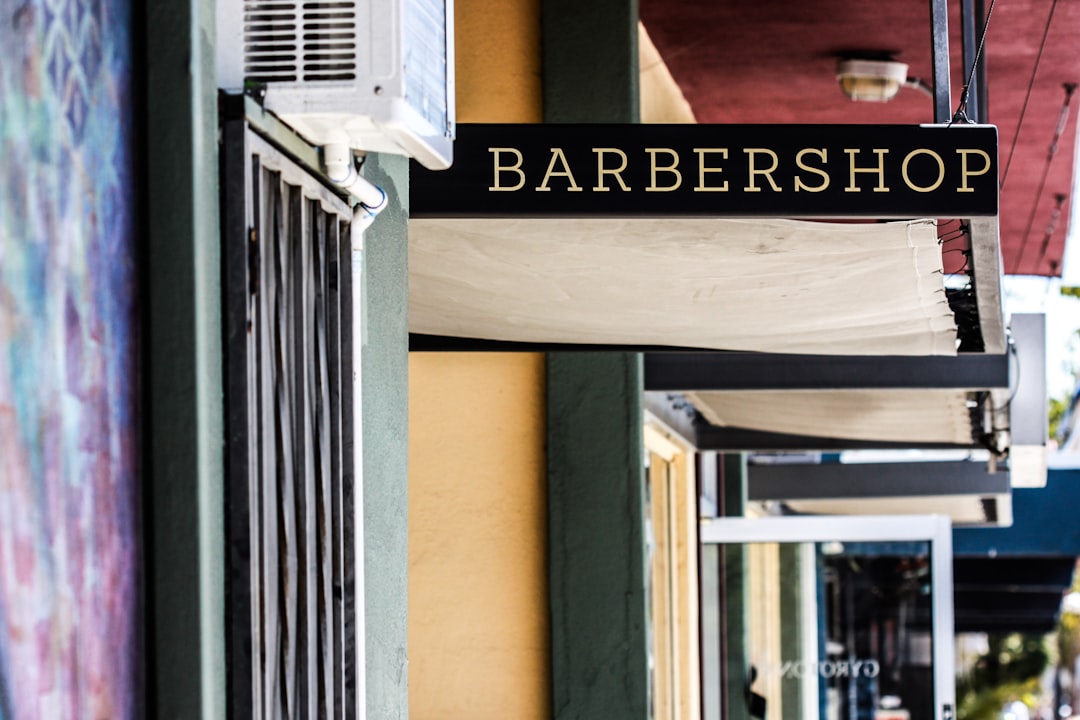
[[1068, 632], [1009, 671], [1070, 291], [1058, 407]]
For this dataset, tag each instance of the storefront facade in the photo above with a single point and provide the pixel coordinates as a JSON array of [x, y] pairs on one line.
[[523, 533]]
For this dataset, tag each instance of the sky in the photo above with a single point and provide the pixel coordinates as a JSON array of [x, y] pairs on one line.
[[1030, 294]]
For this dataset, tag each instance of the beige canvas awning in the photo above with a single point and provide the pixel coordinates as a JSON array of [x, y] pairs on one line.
[[893, 416], [767, 285]]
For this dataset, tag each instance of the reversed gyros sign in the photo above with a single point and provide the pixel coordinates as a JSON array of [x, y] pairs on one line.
[[794, 669]]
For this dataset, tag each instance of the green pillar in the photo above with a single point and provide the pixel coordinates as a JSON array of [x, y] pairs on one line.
[[183, 463], [791, 625], [384, 387], [595, 452], [591, 61], [736, 598], [712, 694], [596, 541]]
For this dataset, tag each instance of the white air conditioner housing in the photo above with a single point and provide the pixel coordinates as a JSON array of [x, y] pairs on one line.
[[376, 74]]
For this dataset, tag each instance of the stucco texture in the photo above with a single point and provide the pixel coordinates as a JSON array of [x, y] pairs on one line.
[[478, 597], [478, 632]]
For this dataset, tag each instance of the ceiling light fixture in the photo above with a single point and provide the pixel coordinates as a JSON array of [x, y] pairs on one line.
[[871, 80]]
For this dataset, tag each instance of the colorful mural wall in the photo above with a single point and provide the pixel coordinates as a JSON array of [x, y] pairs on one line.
[[69, 612]]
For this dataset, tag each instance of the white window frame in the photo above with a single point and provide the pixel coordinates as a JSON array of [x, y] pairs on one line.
[[935, 529]]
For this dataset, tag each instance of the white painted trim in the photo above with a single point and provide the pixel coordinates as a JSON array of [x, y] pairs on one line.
[[809, 630], [359, 338], [935, 529]]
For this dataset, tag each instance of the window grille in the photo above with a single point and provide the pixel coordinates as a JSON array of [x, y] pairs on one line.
[[291, 597]]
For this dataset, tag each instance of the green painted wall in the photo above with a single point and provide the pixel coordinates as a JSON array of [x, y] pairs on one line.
[[385, 443], [184, 421]]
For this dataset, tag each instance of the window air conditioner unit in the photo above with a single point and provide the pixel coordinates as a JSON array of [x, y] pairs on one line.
[[375, 74]]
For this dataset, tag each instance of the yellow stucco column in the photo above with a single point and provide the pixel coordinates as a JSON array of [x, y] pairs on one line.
[[478, 599]]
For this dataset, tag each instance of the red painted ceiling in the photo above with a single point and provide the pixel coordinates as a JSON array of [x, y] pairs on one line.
[[774, 61]]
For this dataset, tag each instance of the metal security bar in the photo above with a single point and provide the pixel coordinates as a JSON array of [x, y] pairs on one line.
[[291, 598]]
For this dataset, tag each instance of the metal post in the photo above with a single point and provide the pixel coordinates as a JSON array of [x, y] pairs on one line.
[[969, 32], [939, 36], [980, 73]]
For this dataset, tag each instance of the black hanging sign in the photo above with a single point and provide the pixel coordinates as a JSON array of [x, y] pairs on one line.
[[822, 171]]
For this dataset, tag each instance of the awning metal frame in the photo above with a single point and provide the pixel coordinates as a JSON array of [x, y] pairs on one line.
[[830, 481], [691, 371]]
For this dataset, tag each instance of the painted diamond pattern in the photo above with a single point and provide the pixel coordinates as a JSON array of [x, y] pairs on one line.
[[75, 11], [75, 56], [69, 607], [59, 64], [91, 51], [48, 18], [75, 109]]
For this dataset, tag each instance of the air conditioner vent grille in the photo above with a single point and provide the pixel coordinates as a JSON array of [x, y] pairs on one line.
[[286, 41]]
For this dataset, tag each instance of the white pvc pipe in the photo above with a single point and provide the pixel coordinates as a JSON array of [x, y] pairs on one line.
[[341, 170]]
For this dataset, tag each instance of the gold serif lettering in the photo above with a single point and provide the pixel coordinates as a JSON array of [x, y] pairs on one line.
[[799, 184], [601, 171], [673, 168], [702, 153], [754, 170], [907, 178], [500, 169], [965, 173], [879, 170], [557, 156]]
